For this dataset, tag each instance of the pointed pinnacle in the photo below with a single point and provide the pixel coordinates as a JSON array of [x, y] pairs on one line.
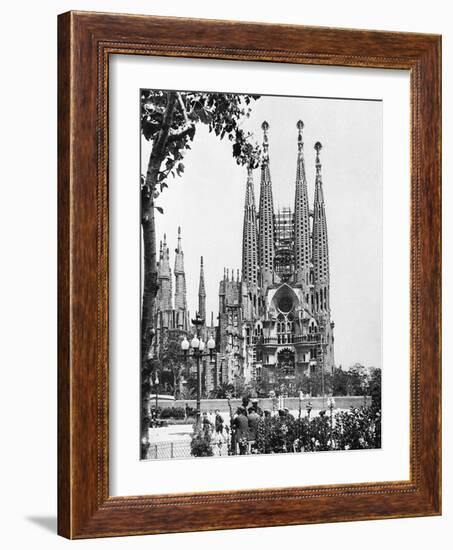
[[318, 147], [300, 143], [265, 128]]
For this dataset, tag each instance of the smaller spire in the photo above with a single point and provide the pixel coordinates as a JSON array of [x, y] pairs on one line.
[[224, 274], [179, 238], [202, 292], [319, 195], [318, 147], [300, 142], [202, 288], [238, 279], [227, 274], [265, 128]]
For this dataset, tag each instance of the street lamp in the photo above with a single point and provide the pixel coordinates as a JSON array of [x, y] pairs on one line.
[[197, 345], [185, 345], [211, 348], [309, 407], [156, 387], [331, 405]]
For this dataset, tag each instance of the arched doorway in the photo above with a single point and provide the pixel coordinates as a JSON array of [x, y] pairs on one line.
[[286, 362]]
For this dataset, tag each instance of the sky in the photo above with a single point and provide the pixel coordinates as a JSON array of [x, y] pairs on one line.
[[208, 200]]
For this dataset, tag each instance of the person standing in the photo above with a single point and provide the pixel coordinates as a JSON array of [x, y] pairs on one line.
[[253, 421], [241, 430], [256, 407], [218, 422]]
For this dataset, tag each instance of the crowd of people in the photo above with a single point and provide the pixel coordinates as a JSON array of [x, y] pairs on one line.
[[247, 431]]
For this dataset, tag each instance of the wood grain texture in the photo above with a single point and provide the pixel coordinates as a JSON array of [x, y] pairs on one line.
[[85, 42]]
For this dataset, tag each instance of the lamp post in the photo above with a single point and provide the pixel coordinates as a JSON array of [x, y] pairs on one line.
[[331, 405], [299, 431], [197, 346], [211, 348], [156, 387], [309, 407]]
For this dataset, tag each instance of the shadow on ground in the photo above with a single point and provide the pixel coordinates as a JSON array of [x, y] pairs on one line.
[[49, 523]]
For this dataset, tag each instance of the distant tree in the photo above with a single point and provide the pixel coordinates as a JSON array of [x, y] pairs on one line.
[[357, 379], [375, 388], [222, 391], [191, 383], [171, 363], [316, 383], [188, 393], [340, 382]]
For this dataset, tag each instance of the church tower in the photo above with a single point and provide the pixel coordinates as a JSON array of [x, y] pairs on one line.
[[202, 293], [266, 217], [250, 235], [321, 276], [180, 284], [164, 278], [302, 250]]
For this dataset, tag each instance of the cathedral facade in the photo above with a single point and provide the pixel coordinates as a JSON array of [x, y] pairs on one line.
[[274, 321]]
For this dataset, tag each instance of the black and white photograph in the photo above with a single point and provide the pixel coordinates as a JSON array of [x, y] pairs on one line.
[[261, 274]]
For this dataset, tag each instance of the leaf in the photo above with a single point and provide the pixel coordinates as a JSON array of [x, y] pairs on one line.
[[159, 209]]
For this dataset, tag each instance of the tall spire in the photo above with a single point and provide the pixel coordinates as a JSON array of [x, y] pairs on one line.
[[301, 215], [164, 277], [266, 216], [180, 279], [202, 293], [320, 243], [250, 234]]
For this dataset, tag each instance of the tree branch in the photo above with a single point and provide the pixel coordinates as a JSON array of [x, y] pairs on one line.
[[179, 135], [183, 106]]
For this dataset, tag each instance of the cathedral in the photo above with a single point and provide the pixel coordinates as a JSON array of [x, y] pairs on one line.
[[274, 324]]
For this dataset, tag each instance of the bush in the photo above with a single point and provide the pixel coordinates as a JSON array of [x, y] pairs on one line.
[[201, 444], [172, 412], [354, 429], [358, 429], [177, 413]]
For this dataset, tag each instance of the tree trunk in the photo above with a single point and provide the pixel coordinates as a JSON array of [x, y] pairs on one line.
[[150, 286], [156, 158]]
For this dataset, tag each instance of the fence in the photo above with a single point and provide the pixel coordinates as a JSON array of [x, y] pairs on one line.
[[168, 449], [292, 403]]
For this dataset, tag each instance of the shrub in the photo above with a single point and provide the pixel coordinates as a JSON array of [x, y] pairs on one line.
[[172, 412], [201, 444], [358, 429]]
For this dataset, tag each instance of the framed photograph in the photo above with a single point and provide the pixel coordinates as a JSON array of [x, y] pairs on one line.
[[249, 275]]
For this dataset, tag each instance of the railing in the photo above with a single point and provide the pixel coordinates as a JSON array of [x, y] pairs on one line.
[[290, 339], [168, 449]]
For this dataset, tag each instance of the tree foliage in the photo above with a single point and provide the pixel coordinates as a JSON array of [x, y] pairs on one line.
[[222, 113]]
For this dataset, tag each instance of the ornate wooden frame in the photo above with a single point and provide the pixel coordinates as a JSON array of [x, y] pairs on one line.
[[85, 41]]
